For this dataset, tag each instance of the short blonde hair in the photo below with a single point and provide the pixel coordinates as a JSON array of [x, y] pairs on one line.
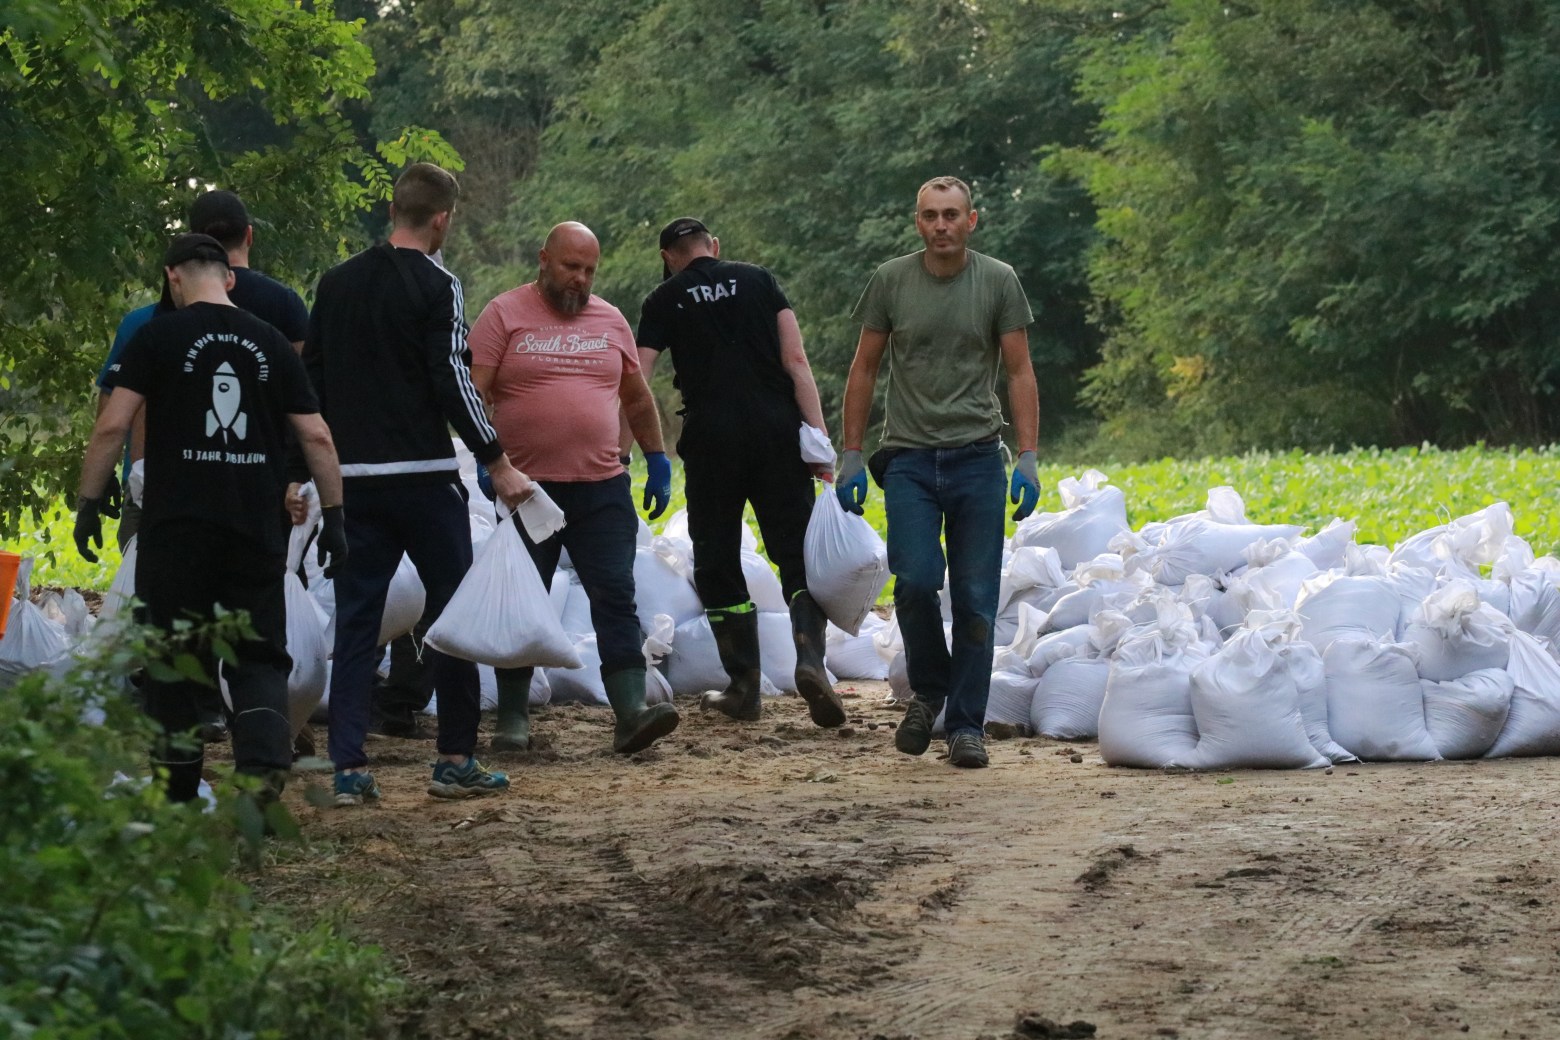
[[947, 184]]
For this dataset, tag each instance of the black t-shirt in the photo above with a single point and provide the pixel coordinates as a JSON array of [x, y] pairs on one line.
[[718, 318], [219, 384], [270, 301]]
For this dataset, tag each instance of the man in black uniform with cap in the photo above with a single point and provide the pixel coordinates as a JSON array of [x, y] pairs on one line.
[[219, 387], [746, 389]]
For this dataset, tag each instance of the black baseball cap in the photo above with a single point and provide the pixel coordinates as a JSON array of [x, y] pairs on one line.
[[681, 228], [220, 214], [182, 250]]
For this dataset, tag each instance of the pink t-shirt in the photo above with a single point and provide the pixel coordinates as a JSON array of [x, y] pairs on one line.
[[555, 394]]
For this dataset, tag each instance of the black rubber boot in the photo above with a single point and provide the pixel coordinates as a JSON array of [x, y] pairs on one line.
[[736, 637], [638, 726], [812, 680], [513, 732]]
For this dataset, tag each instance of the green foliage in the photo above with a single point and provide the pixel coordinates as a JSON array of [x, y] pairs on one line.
[[1325, 223], [800, 131], [120, 918], [116, 114]]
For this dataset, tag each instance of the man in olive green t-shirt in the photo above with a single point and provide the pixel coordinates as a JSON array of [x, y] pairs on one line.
[[947, 320]]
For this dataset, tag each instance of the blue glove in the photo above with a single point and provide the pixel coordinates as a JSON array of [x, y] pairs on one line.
[[1024, 491], [850, 482], [658, 482], [485, 482]]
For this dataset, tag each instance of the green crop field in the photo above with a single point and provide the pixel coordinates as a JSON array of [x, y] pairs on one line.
[[1390, 494]]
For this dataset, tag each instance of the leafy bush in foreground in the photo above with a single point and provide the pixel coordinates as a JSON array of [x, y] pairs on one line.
[[117, 914]]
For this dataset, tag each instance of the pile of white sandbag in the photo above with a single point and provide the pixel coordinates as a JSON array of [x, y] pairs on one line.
[[1210, 641]]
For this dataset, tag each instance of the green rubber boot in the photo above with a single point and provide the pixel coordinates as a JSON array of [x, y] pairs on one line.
[[514, 710], [736, 637], [638, 726], [812, 679]]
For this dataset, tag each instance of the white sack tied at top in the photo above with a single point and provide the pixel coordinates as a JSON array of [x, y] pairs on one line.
[[1375, 703], [1465, 715], [846, 562], [1093, 514], [1146, 718], [1454, 633], [1246, 703]]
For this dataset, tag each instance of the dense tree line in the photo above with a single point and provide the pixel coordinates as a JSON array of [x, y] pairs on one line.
[[1263, 223]]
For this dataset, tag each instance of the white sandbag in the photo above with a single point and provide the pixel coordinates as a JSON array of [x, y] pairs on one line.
[[1326, 548], [855, 656], [500, 613], [763, 584], [1068, 698], [487, 690], [1535, 604], [1533, 724], [1332, 606], [1310, 675], [404, 602], [122, 589], [657, 645], [1201, 546], [1080, 607], [846, 561], [67, 609], [1029, 567], [1093, 515], [693, 666], [1247, 707], [663, 582], [1375, 704], [32, 642], [1058, 646], [1274, 577], [1014, 656], [1465, 715], [1010, 697], [307, 647], [1412, 585], [1146, 718], [1454, 634], [888, 640], [581, 685], [575, 618], [777, 651], [899, 691]]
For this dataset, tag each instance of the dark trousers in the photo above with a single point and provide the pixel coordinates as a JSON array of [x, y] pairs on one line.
[[428, 523], [601, 533], [184, 569], [719, 479]]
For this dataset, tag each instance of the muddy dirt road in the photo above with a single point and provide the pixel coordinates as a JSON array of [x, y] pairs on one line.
[[777, 881]]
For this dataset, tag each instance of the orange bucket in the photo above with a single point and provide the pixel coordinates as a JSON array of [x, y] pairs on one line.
[[9, 564]]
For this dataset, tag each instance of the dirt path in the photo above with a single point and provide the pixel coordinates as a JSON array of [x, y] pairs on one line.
[[776, 881]]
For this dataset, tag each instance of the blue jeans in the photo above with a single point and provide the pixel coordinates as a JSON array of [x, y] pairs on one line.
[[427, 522], [930, 492]]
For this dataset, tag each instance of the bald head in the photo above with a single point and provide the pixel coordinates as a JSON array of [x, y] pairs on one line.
[[568, 267]]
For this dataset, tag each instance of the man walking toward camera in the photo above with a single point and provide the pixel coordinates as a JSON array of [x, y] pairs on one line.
[[386, 350], [219, 386], [557, 362], [746, 389], [947, 319]]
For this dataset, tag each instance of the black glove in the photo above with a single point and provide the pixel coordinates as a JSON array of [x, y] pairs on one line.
[[112, 498], [89, 527], [333, 539]]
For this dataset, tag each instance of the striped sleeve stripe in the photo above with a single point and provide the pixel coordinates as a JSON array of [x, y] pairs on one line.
[[468, 392]]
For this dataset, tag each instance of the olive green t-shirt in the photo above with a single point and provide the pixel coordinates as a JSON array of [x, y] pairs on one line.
[[944, 347]]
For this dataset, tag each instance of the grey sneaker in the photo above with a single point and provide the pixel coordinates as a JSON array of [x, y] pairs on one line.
[[914, 734], [968, 751]]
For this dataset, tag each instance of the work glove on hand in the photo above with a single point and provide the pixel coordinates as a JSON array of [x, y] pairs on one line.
[[485, 482], [89, 527], [658, 482], [1024, 491], [113, 498], [850, 482], [332, 540]]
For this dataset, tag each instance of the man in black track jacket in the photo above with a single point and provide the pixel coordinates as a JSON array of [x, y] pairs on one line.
[[386, 350]]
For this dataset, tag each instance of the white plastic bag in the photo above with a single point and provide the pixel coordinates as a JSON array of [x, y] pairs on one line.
[[1010, 697], [307, 647], [122, 590], [1247, 707], [815, 445], [855, 656], [1332, 606], [1533, 725], [1094, 514], [763, 586], [846, 561], [500, 614], [1455, 634], [32, 641], [1146, 718], [1068, 698]]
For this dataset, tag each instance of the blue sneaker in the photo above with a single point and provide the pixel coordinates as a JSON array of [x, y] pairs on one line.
[[355, 788], [468, 780]]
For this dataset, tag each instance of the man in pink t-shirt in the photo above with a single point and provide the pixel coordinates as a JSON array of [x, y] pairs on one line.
[[558, 366]]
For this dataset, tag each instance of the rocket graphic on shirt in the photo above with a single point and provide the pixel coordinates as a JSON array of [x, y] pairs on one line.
[[226, 396]]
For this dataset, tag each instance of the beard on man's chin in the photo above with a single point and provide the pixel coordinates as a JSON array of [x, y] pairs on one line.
[[565, 301]]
